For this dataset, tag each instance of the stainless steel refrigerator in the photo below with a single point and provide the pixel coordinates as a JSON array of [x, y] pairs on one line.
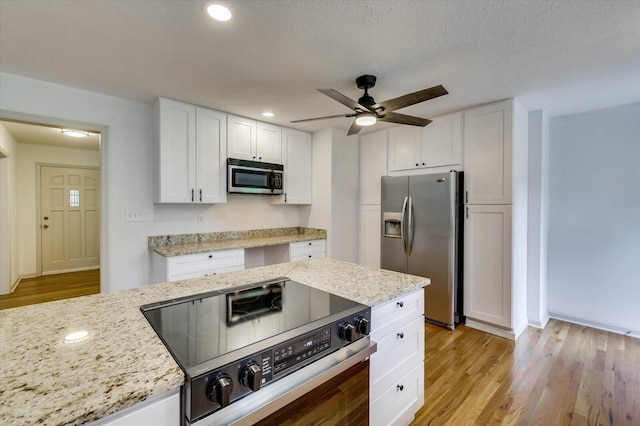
[[422, 235]]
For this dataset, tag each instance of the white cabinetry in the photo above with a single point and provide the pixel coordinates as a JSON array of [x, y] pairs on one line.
[[438, 144], [396, 390], [254, 140], [175, 268], [190, 153], [296, 158], [373, 165], [307, 250], [161, 411], [488, 133], [487, 263], [370, 235]]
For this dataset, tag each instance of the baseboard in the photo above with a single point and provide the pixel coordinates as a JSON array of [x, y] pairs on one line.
[[491, 329], [15, 285], [542, 323], [66, 271], [593, 324]]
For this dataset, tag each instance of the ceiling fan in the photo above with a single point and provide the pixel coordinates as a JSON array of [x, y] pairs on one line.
[[366, 111]]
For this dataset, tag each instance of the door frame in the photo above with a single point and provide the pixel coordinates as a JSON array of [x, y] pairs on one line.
[[39, 167]]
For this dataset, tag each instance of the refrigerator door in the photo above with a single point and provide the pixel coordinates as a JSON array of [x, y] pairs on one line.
[[392, 250], [433, 238]]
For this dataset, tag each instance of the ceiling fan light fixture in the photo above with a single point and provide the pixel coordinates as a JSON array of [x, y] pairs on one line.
[[366, 119], [75, 133], [219, 12]]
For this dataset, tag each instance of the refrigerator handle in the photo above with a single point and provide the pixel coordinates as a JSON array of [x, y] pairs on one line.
[[403, 234], [410, 227]]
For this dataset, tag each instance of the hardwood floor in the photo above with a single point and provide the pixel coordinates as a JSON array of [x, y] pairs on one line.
[[52, 287], [564, 375]]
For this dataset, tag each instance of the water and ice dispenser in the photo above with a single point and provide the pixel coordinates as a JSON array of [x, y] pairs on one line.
[[392, 223]]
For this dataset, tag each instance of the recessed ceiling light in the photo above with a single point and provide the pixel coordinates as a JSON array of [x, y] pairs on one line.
[[268, 114], [76, 336], [75, 133], [219, 12]]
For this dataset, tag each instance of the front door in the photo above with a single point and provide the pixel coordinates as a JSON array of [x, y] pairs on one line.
[[70, 219]]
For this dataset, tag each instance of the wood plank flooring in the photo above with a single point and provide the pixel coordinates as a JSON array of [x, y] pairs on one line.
[[564, 375], [48, 288]]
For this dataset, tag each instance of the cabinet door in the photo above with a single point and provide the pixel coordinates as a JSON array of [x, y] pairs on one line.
[[297, 167], [269, 143], [404, 147], [176, 139], [373, 165], [211, 149], [488, 134], [370, 234], [487, 263], [241, 138], [441, 141]]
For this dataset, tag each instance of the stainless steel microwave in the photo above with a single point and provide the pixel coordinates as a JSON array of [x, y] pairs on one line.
[[254, 177]]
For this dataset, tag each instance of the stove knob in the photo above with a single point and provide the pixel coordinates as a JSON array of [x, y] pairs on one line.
[[363, 326], [251, 376], [220, 390], [348, 332]]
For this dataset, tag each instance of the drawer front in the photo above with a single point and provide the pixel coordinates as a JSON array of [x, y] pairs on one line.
[[307, 247], [402, 310], [205, 273], [400, 402], [396, 355], [306, 256], [180, 265]]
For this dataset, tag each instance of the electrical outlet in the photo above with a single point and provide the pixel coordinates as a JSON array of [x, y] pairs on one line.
[[138, 216]]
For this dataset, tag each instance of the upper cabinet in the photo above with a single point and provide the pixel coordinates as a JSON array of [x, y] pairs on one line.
[[189, 153], [373, 165], [254, 140], [296, 148], [438, 144], [488, 155]]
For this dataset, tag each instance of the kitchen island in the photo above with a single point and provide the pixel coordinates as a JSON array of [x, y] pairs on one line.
[[122, 362]]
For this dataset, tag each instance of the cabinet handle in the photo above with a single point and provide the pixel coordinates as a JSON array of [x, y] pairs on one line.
[[259, 158], [309, 256], [210, 256], [423, 164], [401, 335], [254, 157], [417, 164], [201, 195], [285, 197], [192, 194], [309, 243], [467, 214], [400, 388], [400, 304], [466, 196]]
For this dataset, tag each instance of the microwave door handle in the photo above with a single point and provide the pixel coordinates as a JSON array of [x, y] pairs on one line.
[[272, 181]]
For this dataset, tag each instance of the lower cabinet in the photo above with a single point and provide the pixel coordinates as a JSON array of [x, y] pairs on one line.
[[307, 250], [396, 380], [163, 410], [195, 265]]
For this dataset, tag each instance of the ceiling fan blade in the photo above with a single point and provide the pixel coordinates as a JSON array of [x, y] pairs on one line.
[[394, 117], [412, 98], [321, 118], [354, 128], [337, 96]]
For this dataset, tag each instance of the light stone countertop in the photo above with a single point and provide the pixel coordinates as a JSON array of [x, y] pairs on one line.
[[47, 382]]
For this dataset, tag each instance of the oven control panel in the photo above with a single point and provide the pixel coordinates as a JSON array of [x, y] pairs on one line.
[[234, 381]]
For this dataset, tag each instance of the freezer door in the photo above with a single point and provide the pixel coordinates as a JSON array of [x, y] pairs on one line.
[[434, 241], [392, 250]]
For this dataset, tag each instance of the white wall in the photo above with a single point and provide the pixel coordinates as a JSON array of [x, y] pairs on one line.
[[127, 176], [9, 264], [28, 156], [594, 218], [537, 311]]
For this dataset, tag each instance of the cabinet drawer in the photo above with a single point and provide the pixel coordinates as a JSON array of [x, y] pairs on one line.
[[191, 263], [390, 315], [306, 248], [204, 273], [396, 355], [400, 402], [306, 256]]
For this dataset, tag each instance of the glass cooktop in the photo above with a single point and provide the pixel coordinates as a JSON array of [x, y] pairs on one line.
[[200, 328]]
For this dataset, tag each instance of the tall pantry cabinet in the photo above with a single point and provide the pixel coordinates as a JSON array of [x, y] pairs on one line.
[[495, 218]]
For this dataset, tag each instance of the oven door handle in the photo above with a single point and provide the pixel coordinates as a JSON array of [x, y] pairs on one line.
[[258, 405]]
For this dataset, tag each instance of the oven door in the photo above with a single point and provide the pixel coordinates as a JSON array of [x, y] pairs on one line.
[[258, 405], [254, 180]]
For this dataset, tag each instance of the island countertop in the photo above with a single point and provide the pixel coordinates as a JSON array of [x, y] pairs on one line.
[[46, 381]]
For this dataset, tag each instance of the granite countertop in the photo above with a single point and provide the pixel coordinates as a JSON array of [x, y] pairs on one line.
[[45, 381], [179, 245]]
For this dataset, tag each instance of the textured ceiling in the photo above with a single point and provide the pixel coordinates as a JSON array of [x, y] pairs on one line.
[[563, 56]]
